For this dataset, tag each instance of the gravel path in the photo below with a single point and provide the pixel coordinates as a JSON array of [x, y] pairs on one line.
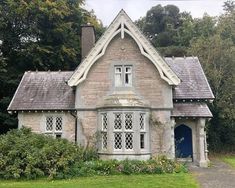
[[219, 175]]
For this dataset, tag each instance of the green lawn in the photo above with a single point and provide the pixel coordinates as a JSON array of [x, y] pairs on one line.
[[180, 180], [230, 160]]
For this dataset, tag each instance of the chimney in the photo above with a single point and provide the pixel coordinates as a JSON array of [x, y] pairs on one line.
[[87, 39]]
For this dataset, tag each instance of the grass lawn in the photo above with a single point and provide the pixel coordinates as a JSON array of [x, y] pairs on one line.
[[180, 180], [230, 160]]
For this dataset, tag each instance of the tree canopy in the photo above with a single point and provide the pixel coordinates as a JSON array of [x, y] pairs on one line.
[[37, 35]]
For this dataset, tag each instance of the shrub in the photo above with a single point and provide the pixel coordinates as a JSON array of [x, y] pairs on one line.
[[24, 154], [158, 165], [30, 155]]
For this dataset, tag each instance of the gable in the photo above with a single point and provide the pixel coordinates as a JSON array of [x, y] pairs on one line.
[[122, 25], [146, 81]]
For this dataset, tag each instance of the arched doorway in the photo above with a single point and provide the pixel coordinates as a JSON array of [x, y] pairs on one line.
[[183, 142]]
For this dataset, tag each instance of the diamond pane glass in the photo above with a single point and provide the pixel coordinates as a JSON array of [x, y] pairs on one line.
[[58, 124], [142, 121], [128, 121], [49, 123], [104, 140], [104, 121], [117, 140], [118, 121], [129, 140]]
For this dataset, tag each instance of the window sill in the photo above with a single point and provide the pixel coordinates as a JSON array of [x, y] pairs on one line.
[[123, 156]]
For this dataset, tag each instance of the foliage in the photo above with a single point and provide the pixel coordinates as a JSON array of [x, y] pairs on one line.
[[42, 35], [30, 155], [164, 26], [178, 180], [158, 165], [216, 52]]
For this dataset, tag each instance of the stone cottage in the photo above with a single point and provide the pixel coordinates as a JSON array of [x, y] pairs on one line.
[[137, 102]]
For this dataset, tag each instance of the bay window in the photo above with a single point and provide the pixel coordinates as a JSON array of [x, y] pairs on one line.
[[124, 132]]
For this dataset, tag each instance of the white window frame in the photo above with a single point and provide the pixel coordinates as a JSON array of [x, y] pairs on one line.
[[135, 130], [104, 130], [143, 130], [123, 131], [54, 132], [120, 76]]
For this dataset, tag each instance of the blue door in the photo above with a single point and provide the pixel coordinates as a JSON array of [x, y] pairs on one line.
[[183, 142]]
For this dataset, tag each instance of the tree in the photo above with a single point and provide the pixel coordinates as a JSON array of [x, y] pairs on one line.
[[216, 51], [161, 25], [38, 35]]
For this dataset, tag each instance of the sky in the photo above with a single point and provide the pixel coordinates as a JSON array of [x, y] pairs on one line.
[[106, 10]]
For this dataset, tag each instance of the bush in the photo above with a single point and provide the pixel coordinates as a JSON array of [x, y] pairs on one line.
[[29, 155], [24, 154], [158, 165]]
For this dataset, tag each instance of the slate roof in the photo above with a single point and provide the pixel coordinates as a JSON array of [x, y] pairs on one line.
[[49, 90], [191, 110], [43, 91], [194, 84]]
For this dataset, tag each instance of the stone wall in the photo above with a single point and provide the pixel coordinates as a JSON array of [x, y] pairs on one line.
[[147, 84], [162, 134], [37, 121], [146, 79]]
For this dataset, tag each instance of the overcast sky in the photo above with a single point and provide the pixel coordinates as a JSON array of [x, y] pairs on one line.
[[106, 10]]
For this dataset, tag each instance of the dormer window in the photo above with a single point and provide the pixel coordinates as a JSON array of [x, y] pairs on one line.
[[123, 76]]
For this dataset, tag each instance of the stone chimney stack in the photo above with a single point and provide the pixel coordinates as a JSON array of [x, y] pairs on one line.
[[87, 39]]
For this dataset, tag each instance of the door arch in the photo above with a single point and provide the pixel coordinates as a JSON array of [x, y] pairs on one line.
[[183, 141]]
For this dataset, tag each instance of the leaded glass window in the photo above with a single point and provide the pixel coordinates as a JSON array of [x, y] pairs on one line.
[[129, 140], [118, 140], [123, 131], [49, 124], [104, 121], [54, 126], [58, 124], [128, 121], [142, 130], [142, 121], [118, 121], [104, 140]]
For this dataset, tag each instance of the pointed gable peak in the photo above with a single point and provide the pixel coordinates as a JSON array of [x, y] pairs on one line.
[[123, 24]]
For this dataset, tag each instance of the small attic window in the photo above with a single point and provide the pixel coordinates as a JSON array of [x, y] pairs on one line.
[[123, 76], [118, 76]]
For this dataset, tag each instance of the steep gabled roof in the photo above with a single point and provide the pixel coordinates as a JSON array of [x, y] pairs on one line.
[[43, 91], [124, 25], [194, 84]]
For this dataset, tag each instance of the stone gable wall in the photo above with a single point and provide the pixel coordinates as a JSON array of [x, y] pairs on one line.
[[147, 84], [146, 79]]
